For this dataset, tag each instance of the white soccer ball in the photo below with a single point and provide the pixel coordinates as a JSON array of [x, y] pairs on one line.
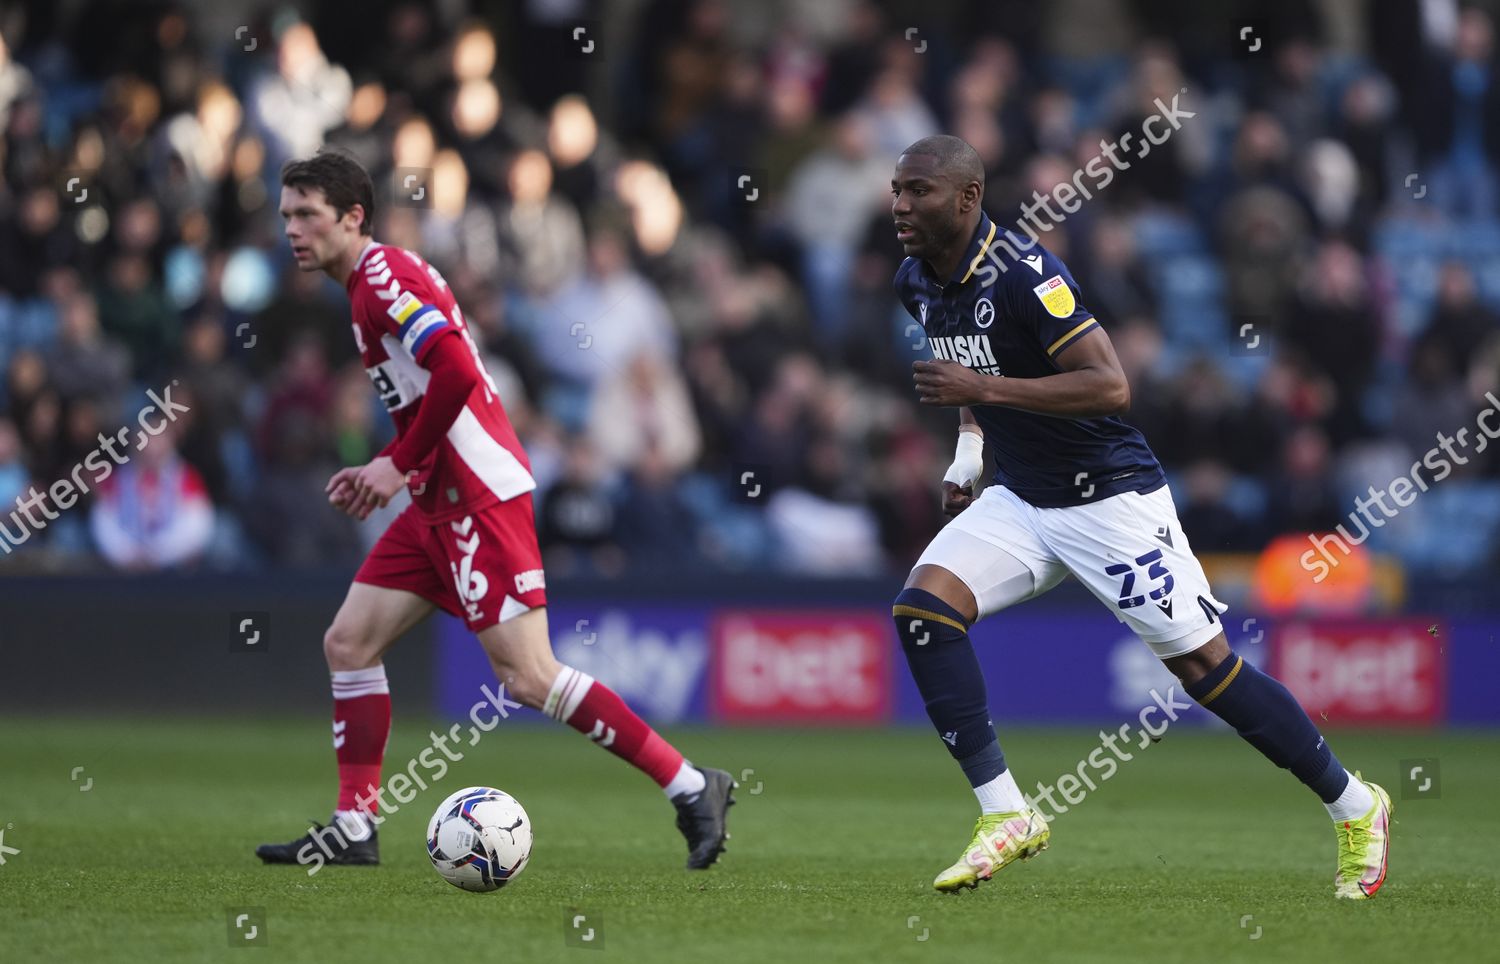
[[479, 839]]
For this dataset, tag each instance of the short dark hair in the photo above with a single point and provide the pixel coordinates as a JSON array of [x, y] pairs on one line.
[[955, 157], [342, 179]]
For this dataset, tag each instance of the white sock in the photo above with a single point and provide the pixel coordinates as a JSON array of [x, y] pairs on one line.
[[355, 825], [349, 684], [567, 691], [689, 779], [1000, 795], [1354, 802]]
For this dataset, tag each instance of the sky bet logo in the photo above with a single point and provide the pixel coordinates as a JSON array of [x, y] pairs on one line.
[[973, 351]]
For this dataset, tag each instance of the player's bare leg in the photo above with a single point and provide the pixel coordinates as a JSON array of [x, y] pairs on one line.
[[368, 623], [933, 614], [1269, 718], [520, 651], [1192, 667]]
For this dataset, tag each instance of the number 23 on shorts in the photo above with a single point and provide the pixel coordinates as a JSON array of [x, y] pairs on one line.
[[1156, 570]]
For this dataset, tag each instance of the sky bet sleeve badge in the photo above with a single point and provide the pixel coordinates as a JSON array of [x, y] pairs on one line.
[[1055, 296]]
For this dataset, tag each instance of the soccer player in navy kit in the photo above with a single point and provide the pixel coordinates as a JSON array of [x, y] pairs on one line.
[[1076, 490]]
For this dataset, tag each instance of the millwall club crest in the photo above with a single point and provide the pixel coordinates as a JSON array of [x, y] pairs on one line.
[[984, 312]]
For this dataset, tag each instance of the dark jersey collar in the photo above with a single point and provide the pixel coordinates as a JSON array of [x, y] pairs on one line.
[[979, 247]]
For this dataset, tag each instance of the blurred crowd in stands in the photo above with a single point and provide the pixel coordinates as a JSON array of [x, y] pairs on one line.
[[670, 233]]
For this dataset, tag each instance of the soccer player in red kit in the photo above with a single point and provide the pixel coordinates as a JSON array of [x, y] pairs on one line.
[[466, 544]]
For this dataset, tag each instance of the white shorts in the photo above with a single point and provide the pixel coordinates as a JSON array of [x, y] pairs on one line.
[[1128, 549]]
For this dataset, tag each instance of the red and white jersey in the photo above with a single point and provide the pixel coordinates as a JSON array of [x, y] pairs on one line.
[[401, 307]]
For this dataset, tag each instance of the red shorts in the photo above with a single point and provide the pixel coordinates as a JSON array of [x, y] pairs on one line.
[[483, 568]]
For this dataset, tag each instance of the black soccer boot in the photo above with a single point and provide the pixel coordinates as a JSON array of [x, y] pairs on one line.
[[330, 844], [702, 817]]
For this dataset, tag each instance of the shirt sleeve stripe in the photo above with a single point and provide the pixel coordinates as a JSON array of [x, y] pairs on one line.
[[426, 315], [1065, 340], [426, 336], [417, 329]]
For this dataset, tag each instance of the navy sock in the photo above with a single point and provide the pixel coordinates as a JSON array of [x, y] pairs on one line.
[[935, 638], [1270, 719]]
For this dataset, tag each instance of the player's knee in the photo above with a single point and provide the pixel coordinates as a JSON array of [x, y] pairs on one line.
[[947, 587], [346, 648], [525, 689], [922, 619], [520, 653], [1192, 666], [526, 684]]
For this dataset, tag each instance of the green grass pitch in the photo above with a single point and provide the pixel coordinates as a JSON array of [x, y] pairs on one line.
[[1196, 850]]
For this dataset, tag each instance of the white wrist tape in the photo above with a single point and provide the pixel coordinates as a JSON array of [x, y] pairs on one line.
[[968, 460]]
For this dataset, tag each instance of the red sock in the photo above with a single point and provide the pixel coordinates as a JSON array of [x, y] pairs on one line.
[[361, 727], [597, 712]]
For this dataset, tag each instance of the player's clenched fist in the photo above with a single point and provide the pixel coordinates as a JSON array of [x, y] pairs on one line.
[[941, 382], [342, 493], [968, 465], [956, 498], [377, 483]]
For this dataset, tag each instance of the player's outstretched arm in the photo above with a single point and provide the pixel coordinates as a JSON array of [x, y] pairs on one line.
[[1091, 383]]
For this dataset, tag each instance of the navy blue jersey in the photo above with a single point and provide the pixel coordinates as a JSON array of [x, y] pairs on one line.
[[1009, 310]]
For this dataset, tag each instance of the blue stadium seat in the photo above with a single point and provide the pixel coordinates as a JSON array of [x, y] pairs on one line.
[[1400, 237], [1409, 314], [1190, 290], [1245, 370], [1090, 81], [1454, 530], [1416, 275], [1247, 496], [1474, 239], [70, 536], [569, 404], [7, 341], [36, 324], [1487, 279], [739, 532], [1159, 235], [241, 466], [1188, 275], [1379, 402], [230, 549], [1199, 327]]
